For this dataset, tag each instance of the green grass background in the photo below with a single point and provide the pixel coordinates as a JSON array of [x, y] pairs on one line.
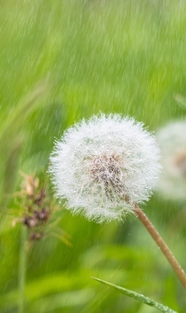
[[66, 60]]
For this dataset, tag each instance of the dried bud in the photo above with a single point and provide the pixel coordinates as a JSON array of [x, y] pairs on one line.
[[42, 215], [30, 221], [35, 236], [40, 198], [30, 185]]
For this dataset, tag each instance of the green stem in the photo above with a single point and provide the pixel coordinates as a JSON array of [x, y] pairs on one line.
[[22, 268]]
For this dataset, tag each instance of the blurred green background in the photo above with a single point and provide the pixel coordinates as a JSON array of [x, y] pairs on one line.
[[66, 60]]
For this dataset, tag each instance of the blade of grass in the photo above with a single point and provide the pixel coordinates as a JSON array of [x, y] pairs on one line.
[[25, 106], [12, 140], [137, 296]]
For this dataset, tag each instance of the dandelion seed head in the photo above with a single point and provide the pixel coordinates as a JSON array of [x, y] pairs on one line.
[[103, 165], [172, 141]]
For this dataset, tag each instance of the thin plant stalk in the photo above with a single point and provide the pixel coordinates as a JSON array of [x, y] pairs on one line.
[[161, 244], [22, 269]]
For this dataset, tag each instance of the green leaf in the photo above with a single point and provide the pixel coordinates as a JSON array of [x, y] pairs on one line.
[[137, 296]]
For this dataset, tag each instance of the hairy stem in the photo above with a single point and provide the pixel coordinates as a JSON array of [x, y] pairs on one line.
[[161, 244], [22, 268]]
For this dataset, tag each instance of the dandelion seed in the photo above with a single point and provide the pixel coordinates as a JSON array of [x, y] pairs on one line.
[[102, 166], [172, 142]]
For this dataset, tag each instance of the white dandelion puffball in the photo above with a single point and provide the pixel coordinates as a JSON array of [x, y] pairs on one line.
[[102, 166], [172, 142]]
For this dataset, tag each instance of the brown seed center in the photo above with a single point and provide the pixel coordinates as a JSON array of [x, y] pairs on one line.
[[105, 168], [180, 162]]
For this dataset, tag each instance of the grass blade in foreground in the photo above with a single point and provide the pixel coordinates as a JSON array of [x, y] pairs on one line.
[[137, 296]]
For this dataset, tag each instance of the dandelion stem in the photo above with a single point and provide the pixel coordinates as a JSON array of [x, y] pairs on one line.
[[161, 244], [22, 268]]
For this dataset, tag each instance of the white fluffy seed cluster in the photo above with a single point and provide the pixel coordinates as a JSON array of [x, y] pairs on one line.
[[172, 141], [102, 166]]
